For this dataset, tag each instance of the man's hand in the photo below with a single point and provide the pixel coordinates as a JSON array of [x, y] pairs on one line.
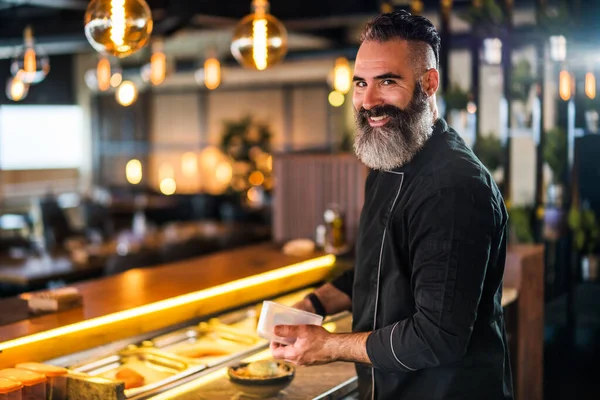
[[314, 345]]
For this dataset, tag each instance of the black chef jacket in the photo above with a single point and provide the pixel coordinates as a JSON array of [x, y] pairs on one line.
[[428, 278]]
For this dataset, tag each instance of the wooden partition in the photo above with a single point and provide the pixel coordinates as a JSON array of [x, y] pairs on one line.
[[525, 319], [307, 184]]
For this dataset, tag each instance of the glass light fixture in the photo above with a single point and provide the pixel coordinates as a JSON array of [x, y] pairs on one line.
[[16, 89], [126, 93], [158, 63], [133, 171], [590, 85], [565, 85], [118, 27], [30, 62], [558, 48], [107, 74], [342, 76], [260, 39], [492, 51], [212, 73]]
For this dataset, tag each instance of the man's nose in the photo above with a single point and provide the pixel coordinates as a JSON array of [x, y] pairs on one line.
[[371, 98]]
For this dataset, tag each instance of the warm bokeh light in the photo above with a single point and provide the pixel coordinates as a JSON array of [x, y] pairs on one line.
[[189, 165], [116, 79], [590, 85], [335, 98], [342, 76], [30, 63], [256, 178], [254, 195], [212, 73], [103, 74], [126, 93], [168, 186], [118, 27], [224, 172], [564, 85], [165, 170], [158, 63], [16, 89], [133, 171]]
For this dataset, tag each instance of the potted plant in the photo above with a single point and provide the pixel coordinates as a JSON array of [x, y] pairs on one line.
[[486, 18], [490, 151], [586, 236], [555, 154], [520, 228], [521, 83]]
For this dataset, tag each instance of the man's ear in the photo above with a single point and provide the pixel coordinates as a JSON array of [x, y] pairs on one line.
[[431, 81]]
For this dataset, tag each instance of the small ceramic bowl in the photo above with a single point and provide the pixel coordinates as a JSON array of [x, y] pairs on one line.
[[261, 386]]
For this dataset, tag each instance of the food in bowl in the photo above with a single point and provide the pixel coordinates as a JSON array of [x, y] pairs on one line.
[[262, 378]]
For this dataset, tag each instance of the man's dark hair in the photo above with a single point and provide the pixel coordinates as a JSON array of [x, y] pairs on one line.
[[403, 25]]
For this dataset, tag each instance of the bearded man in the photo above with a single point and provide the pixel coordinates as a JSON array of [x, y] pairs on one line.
[[426, 288]]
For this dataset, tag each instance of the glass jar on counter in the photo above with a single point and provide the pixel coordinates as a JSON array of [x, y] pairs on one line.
[[335, 227], [10, 390], [56, 378], [34, 384]]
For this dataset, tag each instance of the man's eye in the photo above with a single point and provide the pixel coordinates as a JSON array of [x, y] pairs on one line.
[[361, 84], [387, 82]]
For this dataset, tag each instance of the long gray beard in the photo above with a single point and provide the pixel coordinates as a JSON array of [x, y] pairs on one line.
[[396, 143]]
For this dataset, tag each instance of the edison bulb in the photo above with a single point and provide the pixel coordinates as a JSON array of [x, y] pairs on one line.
[[118, 27], [259, 40], [31, 62], [16, 89], [126, 93]]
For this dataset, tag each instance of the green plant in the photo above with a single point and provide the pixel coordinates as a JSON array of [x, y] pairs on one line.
[[456, 98], [586, 232], [556, 20], [522, 79], [486, 18], [519, 219], [248, 143], [489, 150], [555, 152]]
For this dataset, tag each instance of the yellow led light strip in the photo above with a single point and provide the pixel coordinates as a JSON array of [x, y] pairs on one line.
[[294, 269]]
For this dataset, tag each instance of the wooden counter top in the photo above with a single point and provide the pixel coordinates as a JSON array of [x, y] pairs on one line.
[[141, 287]]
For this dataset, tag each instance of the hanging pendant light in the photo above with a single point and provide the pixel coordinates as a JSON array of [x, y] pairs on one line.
[[31, 63], [212, 73], [565, 85], [260, 39], [16, 89], [590, 85], [158, 63], [342, 76], [126, 94], [107, 74], [118, 27]]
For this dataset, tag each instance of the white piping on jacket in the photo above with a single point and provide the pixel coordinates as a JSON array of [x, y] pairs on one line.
[[379, 275]]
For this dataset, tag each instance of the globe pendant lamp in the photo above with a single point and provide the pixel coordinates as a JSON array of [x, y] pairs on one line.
[[118, 27], [259, 40]]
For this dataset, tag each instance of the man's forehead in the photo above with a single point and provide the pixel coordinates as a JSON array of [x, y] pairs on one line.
[[392, 54]]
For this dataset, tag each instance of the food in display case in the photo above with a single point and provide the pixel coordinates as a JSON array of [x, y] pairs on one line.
[[140, 368]]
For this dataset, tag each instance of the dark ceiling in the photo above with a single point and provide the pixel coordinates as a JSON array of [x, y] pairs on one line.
[[61, 21]]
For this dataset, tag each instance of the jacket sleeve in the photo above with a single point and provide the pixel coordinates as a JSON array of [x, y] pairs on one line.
[[450, 237], [344, 282]]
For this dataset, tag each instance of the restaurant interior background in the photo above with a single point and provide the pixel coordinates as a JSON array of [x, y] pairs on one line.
[[177, 151]]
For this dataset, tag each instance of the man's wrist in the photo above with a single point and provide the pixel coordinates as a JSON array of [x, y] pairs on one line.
[[316, 304]]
